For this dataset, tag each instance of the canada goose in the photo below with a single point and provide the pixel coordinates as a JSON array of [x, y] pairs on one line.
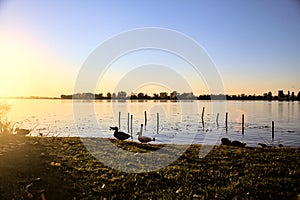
[[238, 144], [226, 141], [118, 134], [264, 145], [144, 139], [21, 131]]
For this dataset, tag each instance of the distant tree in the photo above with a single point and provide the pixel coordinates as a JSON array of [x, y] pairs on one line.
[[280, 95], [174, 95], [155, 96], [66, 96], [122, 95], [88, 95], [187, 95], [293, 97], [108, 95], [141, 95], [298, 96], [99, 96], [270, 97], [133, 95], [163, 95]]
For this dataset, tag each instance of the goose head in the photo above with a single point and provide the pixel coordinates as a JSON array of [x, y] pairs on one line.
[[114, 128]]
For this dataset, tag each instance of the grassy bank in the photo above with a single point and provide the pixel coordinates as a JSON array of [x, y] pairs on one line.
[[62, 168]]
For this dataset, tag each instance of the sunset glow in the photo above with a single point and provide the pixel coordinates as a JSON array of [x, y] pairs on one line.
[[29, 69], [41, 53]]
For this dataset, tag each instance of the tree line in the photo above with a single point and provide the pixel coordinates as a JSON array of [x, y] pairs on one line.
[[184, 96]]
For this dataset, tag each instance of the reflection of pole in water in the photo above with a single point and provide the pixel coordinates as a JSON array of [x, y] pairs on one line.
[[217, 120]]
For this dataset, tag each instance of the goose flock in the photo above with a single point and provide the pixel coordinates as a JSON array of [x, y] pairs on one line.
[[144, 139], [236, 143], [124, 136]]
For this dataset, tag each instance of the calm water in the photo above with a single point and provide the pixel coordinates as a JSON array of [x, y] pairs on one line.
[[179, 122]]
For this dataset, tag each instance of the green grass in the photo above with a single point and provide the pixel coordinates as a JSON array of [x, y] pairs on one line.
[[225, 173]]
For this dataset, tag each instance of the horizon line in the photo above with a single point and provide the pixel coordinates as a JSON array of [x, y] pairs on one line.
[[128, 96]]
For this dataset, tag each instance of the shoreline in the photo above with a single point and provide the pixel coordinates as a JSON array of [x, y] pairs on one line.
[[156, 100], [135, 141]]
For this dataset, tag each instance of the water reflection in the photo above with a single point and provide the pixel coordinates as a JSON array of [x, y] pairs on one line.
[[178, 120]]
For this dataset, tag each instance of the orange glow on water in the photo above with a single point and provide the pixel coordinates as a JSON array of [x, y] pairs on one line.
[[238, 119]]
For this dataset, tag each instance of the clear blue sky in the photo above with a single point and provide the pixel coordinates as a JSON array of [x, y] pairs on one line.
[[254, 44]]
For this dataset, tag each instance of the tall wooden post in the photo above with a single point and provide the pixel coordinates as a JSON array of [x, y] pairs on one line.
[[131, 119], [128, 115], [119, 120], [217, 120], [202, 117], [243, 118], [145, 119], [226, 121], [272, 130], [157, 123]]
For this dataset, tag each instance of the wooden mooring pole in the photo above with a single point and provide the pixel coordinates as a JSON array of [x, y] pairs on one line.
[[272, 130], [128, 115], [226, 121], [243, 127], [119, 120], [157, 123], [131, 119], [145, 119], [202, 117]]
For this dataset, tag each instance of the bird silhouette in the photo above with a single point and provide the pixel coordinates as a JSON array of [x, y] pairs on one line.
[[144, 139], [22, 131], [118, 134], [226, 141]]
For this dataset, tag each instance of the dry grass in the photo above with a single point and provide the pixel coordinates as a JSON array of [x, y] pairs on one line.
[[67, 170]]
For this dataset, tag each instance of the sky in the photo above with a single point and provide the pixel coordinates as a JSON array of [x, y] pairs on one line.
[[254, 45]]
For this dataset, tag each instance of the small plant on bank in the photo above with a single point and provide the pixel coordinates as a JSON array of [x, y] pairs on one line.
[[5, 124]]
